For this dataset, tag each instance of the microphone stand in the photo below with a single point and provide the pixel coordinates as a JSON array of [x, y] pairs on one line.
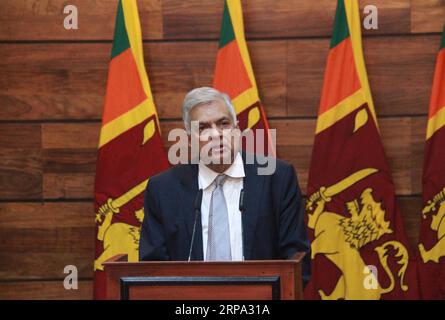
[[197, 206], [242, 209]]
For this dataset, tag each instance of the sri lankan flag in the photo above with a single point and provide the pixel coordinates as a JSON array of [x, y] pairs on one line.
[[432, 232], [130, 148], [359, 248], [234, 74]]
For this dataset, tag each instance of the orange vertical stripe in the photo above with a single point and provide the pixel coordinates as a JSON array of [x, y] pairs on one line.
[[230, 72], [124, 88], [340, 79], [437, 101]]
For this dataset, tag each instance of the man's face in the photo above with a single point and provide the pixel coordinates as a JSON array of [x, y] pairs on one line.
[[216, 143]]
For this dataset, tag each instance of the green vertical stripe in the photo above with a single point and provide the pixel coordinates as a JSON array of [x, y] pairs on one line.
[[227, 34], [120, 42], [442, 44], [341, 29]]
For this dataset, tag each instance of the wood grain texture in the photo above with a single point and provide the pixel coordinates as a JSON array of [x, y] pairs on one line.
[[20, 161], [68, 185], [427, 16], [411, 208], [270, 19], [45, 290], [67, 81], [44, 19], [75, 88], [192, 19], [52, 88], [21, 174], [60, 81], [37, 240]]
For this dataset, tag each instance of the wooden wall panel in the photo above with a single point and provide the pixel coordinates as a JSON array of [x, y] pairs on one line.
[[67, 81], [75, 89], [60, 81], [31, 240], [37, 240], [16, 136], [176, 68], [68, 185], [69, 160], [52, 87], [43, 19], [44, 290], [195, 19], [21, 174], [270, 19], [411, 208], [45, 264], [20, 161], [427, 15]]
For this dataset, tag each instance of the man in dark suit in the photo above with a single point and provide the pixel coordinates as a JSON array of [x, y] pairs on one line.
[[270, 224]]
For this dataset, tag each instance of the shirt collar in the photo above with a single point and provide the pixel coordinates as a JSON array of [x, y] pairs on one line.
[[207, 175]]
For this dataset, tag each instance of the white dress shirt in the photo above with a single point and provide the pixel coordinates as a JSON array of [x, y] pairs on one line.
[[231, 189]]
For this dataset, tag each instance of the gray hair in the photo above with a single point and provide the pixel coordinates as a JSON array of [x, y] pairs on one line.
[[200, 96]]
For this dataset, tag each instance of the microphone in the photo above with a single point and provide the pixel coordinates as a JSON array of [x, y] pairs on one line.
[[197, 206], [242, 209], [241, 201]]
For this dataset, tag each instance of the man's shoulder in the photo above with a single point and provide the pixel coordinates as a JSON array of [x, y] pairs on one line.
[[282, 164], [261, 161], [172, 175]]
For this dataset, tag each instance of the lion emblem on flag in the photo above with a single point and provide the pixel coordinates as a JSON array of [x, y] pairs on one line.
[[340, 239], [119, 237], [436, 208]]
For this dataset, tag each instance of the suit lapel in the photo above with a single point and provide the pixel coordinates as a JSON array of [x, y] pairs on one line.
[[188, 193], [252, 185]]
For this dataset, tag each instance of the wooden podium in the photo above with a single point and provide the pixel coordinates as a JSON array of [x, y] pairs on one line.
[[198, 280]]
